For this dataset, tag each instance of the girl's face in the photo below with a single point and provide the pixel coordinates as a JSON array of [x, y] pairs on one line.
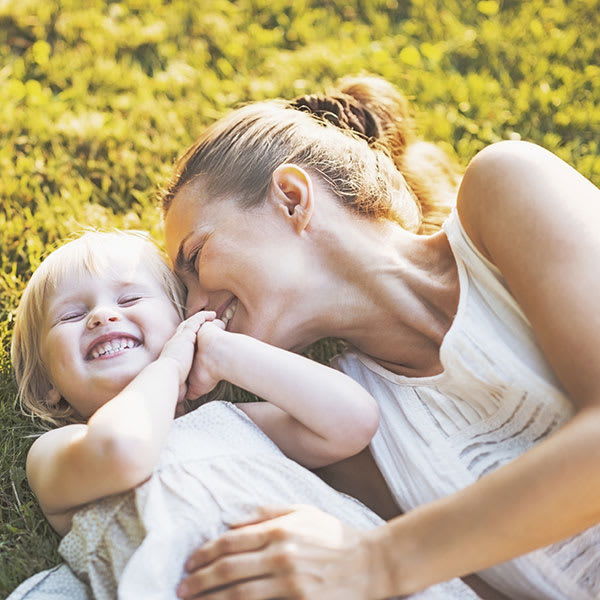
[[245, 264], [102, 329]]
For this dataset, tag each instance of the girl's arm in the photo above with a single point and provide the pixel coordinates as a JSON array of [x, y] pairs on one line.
[[314, 413], [119, 446], [537, 219]]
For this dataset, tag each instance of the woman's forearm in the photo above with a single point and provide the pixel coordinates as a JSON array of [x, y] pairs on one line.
[[522, 506]]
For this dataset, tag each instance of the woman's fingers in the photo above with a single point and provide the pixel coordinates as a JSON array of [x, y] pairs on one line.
[[304, 553], [264, 513], [269, 588], [236, 557], [233, 542], [249, 571]]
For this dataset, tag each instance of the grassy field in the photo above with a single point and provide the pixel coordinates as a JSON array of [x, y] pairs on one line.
[[97, 99]]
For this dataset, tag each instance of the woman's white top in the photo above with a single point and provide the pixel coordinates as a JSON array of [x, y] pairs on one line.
[[495, 398]]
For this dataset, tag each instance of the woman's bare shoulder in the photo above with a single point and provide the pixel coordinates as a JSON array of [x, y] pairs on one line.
[[514, 186]]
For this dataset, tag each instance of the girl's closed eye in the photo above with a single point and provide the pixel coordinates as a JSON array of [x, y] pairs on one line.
[[130, 299], [70, 316]]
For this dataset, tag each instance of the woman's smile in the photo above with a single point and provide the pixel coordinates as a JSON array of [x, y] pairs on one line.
[[227, 314]]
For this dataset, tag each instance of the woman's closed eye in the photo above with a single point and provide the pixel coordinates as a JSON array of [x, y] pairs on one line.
[[192, 260]]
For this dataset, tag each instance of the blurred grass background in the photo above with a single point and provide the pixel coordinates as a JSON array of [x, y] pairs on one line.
[[98, 98]]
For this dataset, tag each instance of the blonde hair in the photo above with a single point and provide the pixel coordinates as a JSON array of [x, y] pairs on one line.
[[88, 254], [359, 137]]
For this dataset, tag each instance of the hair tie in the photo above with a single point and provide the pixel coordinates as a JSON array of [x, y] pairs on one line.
[[342, 111]]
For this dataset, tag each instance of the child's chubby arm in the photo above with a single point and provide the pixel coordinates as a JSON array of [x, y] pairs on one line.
[[315, 414], [119, 446]]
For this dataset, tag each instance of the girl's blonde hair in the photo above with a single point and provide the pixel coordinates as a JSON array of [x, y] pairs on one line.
[[360, 138], [94, 252]]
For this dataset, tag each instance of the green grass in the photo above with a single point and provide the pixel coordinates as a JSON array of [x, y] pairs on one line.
[[97, 99]]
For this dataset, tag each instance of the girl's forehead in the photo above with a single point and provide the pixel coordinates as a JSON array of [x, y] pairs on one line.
[[84, 282], [106, 265], [110, 268]]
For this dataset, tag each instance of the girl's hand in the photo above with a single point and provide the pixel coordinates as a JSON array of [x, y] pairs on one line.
[[207, 368], [180, 348], [301, 553]]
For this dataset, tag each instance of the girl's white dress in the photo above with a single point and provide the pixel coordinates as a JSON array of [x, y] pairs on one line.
[[495, 398], [216, 469]]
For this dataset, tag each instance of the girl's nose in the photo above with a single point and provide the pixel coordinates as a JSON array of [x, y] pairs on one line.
[[102, 316]]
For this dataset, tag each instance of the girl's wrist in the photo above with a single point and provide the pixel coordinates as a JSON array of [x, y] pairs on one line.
[[171, 368], [217, 355]]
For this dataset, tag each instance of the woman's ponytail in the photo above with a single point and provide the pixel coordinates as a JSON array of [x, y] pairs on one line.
[[375, 110]]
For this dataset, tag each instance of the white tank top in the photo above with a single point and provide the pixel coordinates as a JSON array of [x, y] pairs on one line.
[[495, 398]]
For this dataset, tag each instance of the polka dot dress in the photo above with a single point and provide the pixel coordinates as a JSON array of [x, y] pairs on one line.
[[216, 469]]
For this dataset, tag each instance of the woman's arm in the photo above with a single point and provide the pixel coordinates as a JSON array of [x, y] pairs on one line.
[[537, 219], [315, 414], [119, 446]]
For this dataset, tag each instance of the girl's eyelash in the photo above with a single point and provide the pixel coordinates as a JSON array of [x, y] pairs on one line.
[[128, 299], [70, 316]]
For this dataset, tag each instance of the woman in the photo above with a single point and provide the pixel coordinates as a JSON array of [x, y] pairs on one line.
[[480, 341]]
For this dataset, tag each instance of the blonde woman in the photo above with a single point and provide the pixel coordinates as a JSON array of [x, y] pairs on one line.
[[475, 327]]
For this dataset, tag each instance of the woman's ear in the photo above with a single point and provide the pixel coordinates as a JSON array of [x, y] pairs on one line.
[[292, 193]]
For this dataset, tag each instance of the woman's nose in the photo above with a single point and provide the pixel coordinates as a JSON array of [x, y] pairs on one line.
[[101, 316], [196, 300]]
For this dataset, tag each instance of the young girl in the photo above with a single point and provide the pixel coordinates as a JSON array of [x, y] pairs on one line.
[[99, 349]]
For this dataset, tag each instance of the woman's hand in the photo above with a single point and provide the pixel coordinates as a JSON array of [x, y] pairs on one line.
[[300, 552], [206, 369]]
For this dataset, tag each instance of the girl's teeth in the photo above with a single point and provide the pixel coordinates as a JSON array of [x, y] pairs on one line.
[[109, 348]]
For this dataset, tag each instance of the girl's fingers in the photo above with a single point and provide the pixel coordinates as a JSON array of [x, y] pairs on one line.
[[192, 324], [197, 319], [219, 323]]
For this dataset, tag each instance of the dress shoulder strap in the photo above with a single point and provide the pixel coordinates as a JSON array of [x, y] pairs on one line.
[[482, 273]]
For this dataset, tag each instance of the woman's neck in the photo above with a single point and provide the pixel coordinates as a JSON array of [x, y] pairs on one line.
[[391, 294]]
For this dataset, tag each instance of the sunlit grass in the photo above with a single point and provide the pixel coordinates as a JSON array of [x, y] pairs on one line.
[[97, 99]]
